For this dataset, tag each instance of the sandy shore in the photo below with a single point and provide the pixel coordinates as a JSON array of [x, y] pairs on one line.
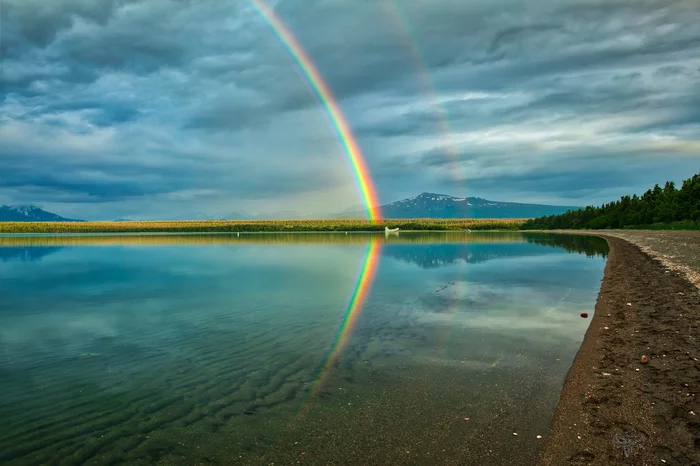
[[677, 250], [613, 408]]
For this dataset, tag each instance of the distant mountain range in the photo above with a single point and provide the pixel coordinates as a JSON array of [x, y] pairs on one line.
[[431, 205], [29, 213], [426, 205]]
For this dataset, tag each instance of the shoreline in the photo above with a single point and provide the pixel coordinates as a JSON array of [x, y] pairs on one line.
[[613, 409]]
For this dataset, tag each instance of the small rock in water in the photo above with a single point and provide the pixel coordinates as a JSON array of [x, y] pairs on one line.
[[584, 315], [515, 433], [629, 304], [539, 437]]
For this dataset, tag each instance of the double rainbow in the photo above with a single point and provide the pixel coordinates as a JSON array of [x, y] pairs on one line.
[[324, 94]]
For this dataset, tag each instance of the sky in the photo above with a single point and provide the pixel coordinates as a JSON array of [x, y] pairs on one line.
[[161, 108]]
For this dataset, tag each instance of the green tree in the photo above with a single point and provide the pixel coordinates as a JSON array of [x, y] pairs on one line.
[[658, 205]]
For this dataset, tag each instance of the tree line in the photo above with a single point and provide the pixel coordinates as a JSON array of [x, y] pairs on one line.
[[658, 206]]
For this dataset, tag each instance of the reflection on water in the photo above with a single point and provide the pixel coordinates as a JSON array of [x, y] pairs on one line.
[[21, 240], [256, 349], [588, 245], [26, 253]]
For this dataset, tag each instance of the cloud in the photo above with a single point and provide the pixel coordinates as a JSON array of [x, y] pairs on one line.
[[160, 105]]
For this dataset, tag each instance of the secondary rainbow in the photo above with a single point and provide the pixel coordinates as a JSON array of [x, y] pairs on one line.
[[321, 89], [449, 146]]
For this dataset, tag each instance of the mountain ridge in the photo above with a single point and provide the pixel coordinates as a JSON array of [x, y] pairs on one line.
[[30, 213], [425, 205], [434, 205]]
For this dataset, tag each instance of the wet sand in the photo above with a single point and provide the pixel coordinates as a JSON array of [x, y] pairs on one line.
[[613, 408]]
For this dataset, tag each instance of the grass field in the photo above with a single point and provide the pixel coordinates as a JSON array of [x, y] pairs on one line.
[[259, 226]]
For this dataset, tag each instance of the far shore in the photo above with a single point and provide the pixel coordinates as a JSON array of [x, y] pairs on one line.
[[254, 226], [291, 226]]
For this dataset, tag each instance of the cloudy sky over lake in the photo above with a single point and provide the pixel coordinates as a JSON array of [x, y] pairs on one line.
[[154, 108]]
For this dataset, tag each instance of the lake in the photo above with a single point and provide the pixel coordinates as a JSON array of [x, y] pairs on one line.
[[283, 348]]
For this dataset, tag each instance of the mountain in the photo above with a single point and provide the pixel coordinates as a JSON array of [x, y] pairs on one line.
[[29, 213], [26, 254], [431, 205]]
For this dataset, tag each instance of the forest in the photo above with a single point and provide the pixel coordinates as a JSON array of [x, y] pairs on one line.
[[667, 207]]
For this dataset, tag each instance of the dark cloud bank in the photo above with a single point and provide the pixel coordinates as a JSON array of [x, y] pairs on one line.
[[149, 107]]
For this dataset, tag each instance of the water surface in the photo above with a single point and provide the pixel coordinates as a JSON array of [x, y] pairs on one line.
[[274, 348]]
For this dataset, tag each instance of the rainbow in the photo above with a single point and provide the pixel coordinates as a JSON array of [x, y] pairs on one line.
[[354, 308], [450, 148], [324, 94]]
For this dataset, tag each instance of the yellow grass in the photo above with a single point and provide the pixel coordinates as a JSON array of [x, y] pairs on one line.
[[259, 226]]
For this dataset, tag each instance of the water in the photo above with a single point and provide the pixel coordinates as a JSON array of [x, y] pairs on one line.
[[217, 349]]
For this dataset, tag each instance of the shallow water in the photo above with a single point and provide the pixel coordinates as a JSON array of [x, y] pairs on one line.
[[259, 349]]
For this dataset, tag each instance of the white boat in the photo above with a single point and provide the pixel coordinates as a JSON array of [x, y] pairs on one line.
[[390, 230]]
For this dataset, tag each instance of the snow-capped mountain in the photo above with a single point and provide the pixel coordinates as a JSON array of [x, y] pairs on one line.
[[29, 213], [431, 205]]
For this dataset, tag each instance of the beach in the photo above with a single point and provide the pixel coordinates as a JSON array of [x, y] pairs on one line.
[[614, 408]]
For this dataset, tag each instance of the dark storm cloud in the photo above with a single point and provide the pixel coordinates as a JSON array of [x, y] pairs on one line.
[[145, 99], [586, 180], [506, 38], [399, 125], [38, 23], [88, 179], [362, 48], [99, 113], [82, 39], [117, 177], [571, 181]]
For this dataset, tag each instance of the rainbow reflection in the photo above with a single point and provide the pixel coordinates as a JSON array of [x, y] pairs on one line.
[[354, 309]]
